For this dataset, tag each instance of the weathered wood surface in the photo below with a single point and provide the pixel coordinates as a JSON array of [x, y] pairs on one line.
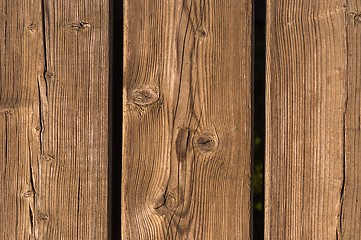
[[187, 120], [53, 119], [350, 225], [313, 120]]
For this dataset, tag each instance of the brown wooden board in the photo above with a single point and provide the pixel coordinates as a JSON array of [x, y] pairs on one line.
[[313, 120], [53, 119], [350, 218], [187, 119]]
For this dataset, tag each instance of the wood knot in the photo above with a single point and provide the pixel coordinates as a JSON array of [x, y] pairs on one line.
[[48, 75], [145, 96], [43, 217], [202, 33], [357, 18], [6, 111], [170, 201], [28, 194], [166, 203], [31, 27], [206, 142], [78, 26], [47, 157]]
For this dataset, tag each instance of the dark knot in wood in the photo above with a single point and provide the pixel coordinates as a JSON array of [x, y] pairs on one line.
[[48, 75], [166, 204], [357, 18], [145, 96], [206, 142], [202, 33]]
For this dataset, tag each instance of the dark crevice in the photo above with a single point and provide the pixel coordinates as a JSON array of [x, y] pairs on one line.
[[42, 83], [31, 193], [115, 116], [46, 74], [164, 199], [44, 35], [40, 118], [31, 220], [259, 118], [32, 184]]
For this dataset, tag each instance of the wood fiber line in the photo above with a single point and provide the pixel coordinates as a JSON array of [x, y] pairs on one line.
[[187, 120], [313, 112], [53, 119]]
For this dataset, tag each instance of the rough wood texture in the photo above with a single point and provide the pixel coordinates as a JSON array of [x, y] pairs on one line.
[[350, 226], [53, 119], [187, 120], [313, 120]]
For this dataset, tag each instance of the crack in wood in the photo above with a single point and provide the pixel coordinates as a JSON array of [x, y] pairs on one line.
[[78, 26], [342, 189]]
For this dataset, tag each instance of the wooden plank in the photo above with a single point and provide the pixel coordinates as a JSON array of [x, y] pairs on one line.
[[350, 225], [54, 115], [187, 119], [311, 177]]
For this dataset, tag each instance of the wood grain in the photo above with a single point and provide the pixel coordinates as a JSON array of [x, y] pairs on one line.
[[313, 112], [350, 224], [53, 119], [187, 119]]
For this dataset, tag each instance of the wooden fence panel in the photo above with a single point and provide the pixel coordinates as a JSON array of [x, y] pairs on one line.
[[350, 225], [313, 120], [187, 119], [54, 119]]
